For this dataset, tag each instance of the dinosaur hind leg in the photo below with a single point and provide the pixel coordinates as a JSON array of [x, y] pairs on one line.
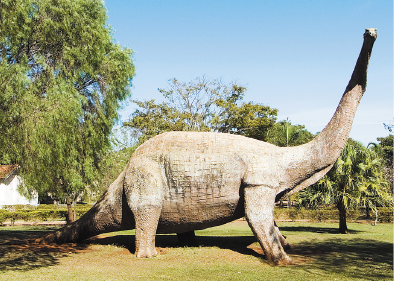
[[187, 239], [144, 194], [145, 231]]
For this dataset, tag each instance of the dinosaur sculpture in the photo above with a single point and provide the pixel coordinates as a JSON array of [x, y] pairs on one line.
[[178, 182]]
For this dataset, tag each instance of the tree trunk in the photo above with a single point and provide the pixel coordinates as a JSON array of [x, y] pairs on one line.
[[367, 211], [70, 218], [74, 204], [288, 202], [342, 216], [376, 216], [74, 208]]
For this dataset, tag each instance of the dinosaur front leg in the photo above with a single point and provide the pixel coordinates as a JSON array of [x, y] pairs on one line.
[[259, 211]]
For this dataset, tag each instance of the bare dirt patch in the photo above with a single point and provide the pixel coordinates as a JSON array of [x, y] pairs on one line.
[[31, 246]]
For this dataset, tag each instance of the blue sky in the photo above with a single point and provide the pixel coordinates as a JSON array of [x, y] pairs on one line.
[[296, 56]]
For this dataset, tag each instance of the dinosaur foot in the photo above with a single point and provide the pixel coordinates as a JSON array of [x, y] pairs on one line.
[[286, 246], [146, 253], [284, 261]]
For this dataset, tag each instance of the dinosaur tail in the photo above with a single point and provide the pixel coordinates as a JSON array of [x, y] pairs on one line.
[[110, 213]]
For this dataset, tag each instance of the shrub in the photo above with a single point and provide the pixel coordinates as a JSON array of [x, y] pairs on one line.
[[3, 216], [60, 212], [385, 214], [293, 214], [39, 213], [324, 214]]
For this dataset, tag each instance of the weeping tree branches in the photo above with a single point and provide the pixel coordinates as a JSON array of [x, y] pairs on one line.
[[63, 80]]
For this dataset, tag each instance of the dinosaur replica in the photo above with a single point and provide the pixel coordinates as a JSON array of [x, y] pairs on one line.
[[178, 182]]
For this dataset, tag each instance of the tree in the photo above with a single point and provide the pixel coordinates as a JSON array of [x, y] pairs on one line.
[[113, 163], [385, 150], [247, 119], [63, 80], [152, 119], [202, 105], [286, 134], [196, 100], [356, 178]]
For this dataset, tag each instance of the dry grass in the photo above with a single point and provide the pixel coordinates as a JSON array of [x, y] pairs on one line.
[[228, 252]]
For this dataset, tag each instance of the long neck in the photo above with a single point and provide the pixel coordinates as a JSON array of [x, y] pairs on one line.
[[330, 142], [314, 159]]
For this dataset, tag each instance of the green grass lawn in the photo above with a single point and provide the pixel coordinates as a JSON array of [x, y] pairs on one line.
[[228, 252]]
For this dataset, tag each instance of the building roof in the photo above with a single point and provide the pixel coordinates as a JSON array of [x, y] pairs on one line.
[[7, 170]]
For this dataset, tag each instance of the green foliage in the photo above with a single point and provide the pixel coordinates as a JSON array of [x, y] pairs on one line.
[[385, 149], [293, 214], [386, 144], [357, 178], [329, 214], [112, 165], [385, 214], [39, 213], [285, 134], [3, 216], [62, 80], [247, 119], [202, 105], [195, 102], [152, 119]]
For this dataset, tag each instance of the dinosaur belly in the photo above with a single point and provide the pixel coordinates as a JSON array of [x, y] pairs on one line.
[[194, 215], [200, 191]]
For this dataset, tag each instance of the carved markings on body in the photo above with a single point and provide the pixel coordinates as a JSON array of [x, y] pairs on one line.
[[201, 177], [184, 181]]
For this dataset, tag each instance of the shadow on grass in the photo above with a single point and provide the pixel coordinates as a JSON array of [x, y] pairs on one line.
[[353, 258], [356, 258], [18, 252], [315, 229], [235, 243]]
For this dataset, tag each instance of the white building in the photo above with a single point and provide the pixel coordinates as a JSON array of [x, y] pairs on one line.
[[9, 182]]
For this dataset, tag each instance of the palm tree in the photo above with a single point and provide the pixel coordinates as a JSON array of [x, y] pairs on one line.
[[385, 149], [356, 178]]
